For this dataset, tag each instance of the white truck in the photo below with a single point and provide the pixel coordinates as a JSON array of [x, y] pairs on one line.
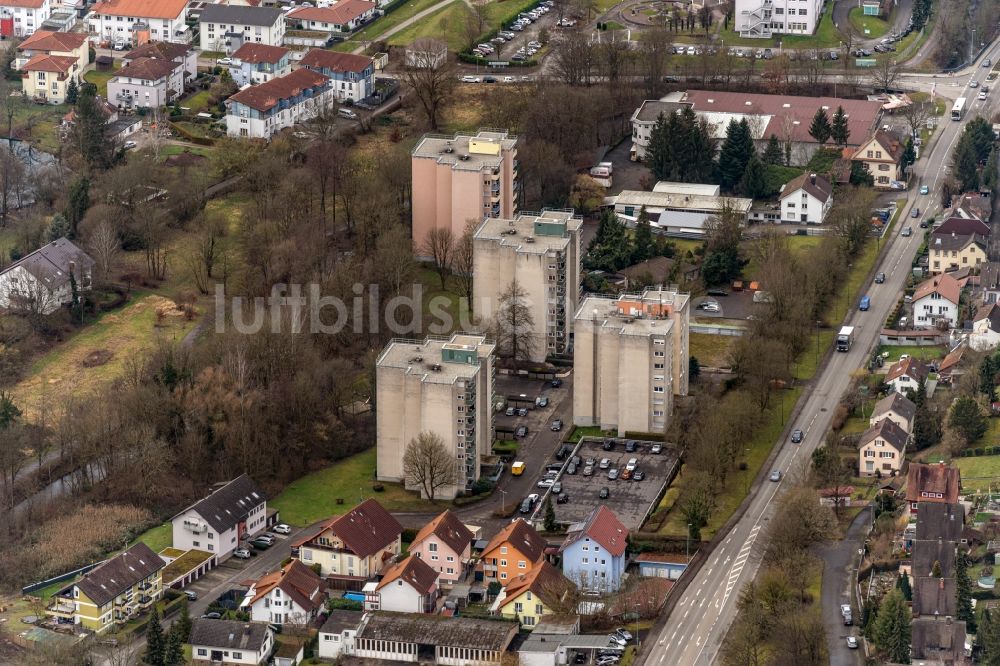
[[845, 338]]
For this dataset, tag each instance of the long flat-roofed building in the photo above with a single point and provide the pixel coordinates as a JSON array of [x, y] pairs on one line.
[[444, 386], [459, 180], [677, 209], [541, 252], [630, 357]]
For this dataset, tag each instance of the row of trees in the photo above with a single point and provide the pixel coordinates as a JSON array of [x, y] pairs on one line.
[[976, 149]]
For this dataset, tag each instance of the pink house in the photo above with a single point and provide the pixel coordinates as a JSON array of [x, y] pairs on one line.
[[445, 544]]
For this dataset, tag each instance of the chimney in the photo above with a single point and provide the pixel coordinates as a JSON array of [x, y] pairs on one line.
[[812, 178], [72, 267]]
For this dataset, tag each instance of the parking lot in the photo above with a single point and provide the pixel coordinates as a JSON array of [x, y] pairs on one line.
[[630, 500]]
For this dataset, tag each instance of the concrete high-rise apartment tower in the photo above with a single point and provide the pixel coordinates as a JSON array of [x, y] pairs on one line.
[[630, 357], [767, 18], [460, 180], [541, 251], [444, 386]]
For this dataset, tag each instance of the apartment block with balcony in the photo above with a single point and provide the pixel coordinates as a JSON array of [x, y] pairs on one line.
[[46, 78], [767, 18], [439, 385], [630, 358], [216, 523], [459, 180], [117, 591], [541, 252], [355, 545]]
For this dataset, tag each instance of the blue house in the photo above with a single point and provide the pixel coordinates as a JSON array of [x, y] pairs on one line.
[[352, 76], [593, 555]]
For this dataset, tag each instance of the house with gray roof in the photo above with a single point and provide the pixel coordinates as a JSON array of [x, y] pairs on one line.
[[436, 639], [216, 523], [226, 28], [897, 408], [230, 641], [40, 282]]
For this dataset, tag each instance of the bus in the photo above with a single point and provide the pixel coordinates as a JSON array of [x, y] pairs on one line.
[[958, 110]]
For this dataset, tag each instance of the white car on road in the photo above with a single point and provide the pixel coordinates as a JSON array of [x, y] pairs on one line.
[[471, 79]]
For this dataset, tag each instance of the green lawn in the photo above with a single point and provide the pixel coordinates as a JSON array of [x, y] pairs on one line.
[[711, 350], [314, 497], [979, 466], [579, 432], [437, 300], [174, 149], [875, 26], [685, 245], [100, 79], [198, 102], [157, 538], [378, 28], [442, 24], [922, 353]]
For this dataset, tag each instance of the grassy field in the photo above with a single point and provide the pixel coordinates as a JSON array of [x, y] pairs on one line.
[[922, 353], [76, 366], [378, 28], [174, 149], [685, 245], [437, 300], [314, 497], [979, 466], [874, 26], [711, 350], [198, 102], [442, 24], [158, 537], [100, 79]]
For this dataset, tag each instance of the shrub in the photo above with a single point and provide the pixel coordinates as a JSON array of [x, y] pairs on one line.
[[339, 603], [378, 487], [409, 534]]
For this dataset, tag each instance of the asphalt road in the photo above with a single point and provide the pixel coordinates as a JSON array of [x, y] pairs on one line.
[[694, 632], [839, 560]]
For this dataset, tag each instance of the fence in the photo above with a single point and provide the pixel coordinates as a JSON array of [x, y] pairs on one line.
[[69, 575]]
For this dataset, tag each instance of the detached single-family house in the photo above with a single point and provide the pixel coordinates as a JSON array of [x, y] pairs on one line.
[[950, 252], [897, 408], [530, 596], [881, 448], [146, 82], [882, 157], [256, 63], [950, 366], [515, 550], [593, 554], [134, 22], [115, 592], [291, 595], [409, 586], [985, 335], [230, 642], [938, 640], [341, 18], [974, 204], [806, 199], [336, 636], [962, 226], [937, 299], [906, 374], [352, 76], [936, 483], [262, 110], [40, 282], [355, 545], [182, 55], [46, 42], [21, 18], [228, 27], [218, 522], [445, 544], [46, 78]]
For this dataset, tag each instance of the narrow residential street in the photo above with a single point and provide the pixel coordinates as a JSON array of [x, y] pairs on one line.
[[840, 558]]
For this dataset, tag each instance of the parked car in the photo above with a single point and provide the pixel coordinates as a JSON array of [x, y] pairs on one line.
[[282, 528], [656, 448], [624, 633], [608, 444], [556, 383], [224, 61], [526, 504], [212, 616], [191, 594], [468, 78], [521, 432], [852, 642], [588, 470], [631, 446], [556, 488], [546, 483], [523, 411], [604, 493], [797, 436], [542, 401], [615, 639], [511, 411], [129, 145], [562, 499], [612, 474], [638, 475], [605, 463], [571, 469]]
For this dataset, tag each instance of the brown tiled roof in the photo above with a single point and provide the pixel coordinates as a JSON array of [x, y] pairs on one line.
[[30, 4], [936, 478], [161, 9], [120, 573], [340, 13], [896, 402], [953, 358], [414, 571], [296, 580], [147, 69], [888, 431], [335, 61], [603, 527], [890, 144], [989, 311], [365, 529], [962, 226], [254, 53], [817, 186], [908, 366], [163, 50], [47, 40], [545, 581], [265, 96], [449, 529], [42, 62], [522, 537], [945, 285]]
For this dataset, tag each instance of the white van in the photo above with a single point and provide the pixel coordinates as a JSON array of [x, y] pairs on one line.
[[347, 113]]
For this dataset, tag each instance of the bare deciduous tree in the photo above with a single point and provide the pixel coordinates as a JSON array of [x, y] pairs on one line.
[[515, 324], [432, 87], [104, 244], [916, 115], [885, 74], [463, 261], [429, 465], [440, 247]]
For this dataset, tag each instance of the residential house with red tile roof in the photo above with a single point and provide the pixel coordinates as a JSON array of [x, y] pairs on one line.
[[291, 595], [906, 374], [593, 554], [881, 449], [341, 18], [146, 83], [936, 302], [47, 77], [21, 18], [356, 545], [134, 22], [445, 544], [255, 63], [47, 42], [882, 157], [353, 76], [528, 597], [409, 586], [514, 550], [936, 483], [262, 110], [180, 54]]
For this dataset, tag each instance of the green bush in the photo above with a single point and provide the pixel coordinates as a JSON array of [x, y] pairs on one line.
[[339, 603], [409, 534]]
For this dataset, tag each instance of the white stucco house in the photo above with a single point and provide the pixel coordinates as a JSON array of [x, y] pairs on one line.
[[336, 636], [218, 522], [23, 17], [806, 199], [936, 300], [40, 283], [228, 27], [906, 374], [132, 22], [409, 586], [985, 334], [292, 595], [230, 641]]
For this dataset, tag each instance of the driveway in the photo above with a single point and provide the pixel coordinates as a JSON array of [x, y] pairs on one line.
[[900, 18], [839, 561]]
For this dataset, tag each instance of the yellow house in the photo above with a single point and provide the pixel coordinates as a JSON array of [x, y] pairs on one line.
[[113, 593], [46, 42], [47, 77], [355, 545], [530, 596], [953, 252], [882, 157]]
